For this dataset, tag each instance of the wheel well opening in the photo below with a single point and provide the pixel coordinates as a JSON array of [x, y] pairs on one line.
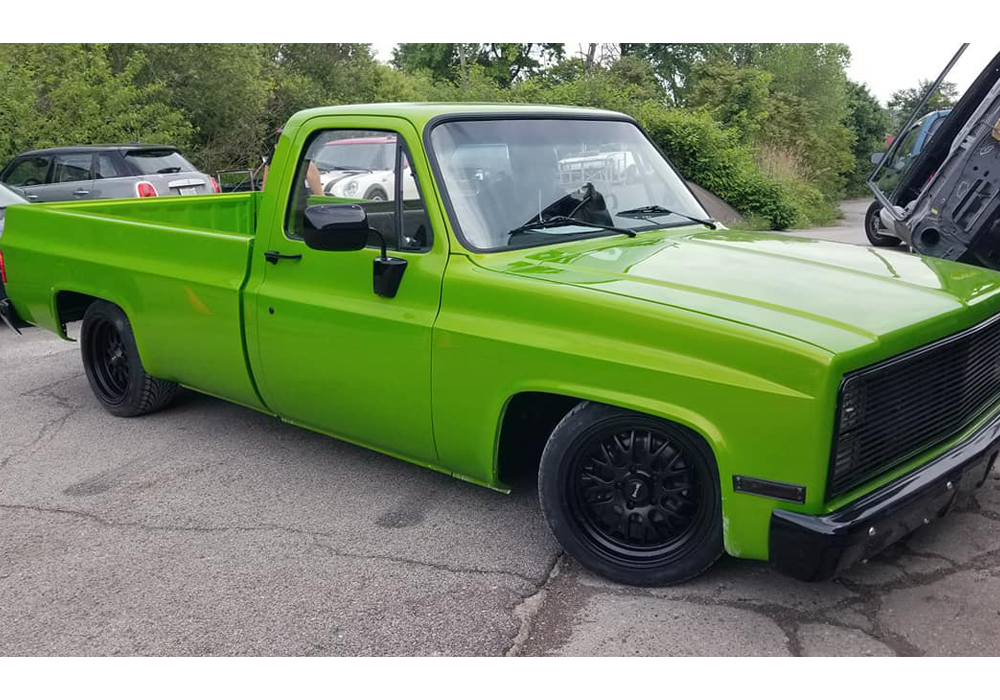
[[70, 306], [527, 424]]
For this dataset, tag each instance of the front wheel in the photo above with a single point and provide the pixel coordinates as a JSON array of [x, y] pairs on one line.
[[875, 231], [114, 369], [631, 497], [376, 194]]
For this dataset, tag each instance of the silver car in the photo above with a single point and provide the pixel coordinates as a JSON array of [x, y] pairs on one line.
[[104, 172]]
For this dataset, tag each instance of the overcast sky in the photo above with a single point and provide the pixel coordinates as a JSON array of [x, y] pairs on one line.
[[882, 67]]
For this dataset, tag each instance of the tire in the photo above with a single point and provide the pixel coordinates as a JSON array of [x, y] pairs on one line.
[[873, 228], [602, 467], [114, 369], [376, 194]]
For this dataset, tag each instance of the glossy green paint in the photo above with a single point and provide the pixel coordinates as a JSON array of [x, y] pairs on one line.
[[328, 353], [175, 265], [743, 337]]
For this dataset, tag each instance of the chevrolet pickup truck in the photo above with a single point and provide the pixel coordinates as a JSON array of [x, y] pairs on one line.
[[682, 390]]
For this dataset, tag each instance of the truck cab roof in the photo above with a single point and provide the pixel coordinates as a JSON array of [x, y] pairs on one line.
[[420, 113]]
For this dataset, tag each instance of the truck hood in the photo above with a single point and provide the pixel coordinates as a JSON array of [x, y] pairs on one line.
[[834, 296]]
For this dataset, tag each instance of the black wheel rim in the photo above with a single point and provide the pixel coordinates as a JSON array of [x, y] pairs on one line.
[[875, 223], [636, 494], [109, 361]]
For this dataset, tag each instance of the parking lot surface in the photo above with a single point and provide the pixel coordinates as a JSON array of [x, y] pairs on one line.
[[212, 529]]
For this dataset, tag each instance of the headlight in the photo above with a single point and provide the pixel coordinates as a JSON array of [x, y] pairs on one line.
[[351, 189], [853, 400]]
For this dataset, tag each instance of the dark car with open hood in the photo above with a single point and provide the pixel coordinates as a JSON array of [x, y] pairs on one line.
[[946, 202]]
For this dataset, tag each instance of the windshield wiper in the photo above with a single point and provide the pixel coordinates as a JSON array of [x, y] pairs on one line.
[[652, 210], [172, 169], [567, 221]]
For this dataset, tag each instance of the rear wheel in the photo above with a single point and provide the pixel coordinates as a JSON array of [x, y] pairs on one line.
[[875, 231], [631, 497], [114, 369]]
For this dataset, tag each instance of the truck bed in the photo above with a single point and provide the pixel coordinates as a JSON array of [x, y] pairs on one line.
[[170, 263]]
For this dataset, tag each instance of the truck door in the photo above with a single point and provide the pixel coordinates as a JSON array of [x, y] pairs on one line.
[[330, 353]]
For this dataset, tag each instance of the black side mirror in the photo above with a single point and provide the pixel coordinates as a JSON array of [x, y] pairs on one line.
[[345, 227], [335, 227]]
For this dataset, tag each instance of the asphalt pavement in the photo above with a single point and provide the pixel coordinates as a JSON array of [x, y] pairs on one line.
[[210, 529]]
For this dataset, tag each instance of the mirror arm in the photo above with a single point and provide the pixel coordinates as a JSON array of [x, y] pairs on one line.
[[381, 239]]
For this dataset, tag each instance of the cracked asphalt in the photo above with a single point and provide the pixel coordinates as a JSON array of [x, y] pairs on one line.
[[210, 529]]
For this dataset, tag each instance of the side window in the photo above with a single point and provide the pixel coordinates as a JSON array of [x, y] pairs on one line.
[[370, 168], [73, 167], [28, 171], [889, 176], [107, 167]]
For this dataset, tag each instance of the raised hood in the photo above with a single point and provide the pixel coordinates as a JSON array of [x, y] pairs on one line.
[[835, 296]]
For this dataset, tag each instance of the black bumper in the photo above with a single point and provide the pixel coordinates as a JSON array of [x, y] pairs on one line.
[[816, 547]]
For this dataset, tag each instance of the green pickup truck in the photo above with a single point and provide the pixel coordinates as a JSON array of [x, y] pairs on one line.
[[535, 288]]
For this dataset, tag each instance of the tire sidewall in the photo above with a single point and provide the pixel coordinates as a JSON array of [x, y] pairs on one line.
[[882, 240], [703, 547], [99, 312]]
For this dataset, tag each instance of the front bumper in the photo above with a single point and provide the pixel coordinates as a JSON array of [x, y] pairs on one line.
[[817, 547]]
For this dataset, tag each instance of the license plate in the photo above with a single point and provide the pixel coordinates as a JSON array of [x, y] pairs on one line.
[[187, 190]]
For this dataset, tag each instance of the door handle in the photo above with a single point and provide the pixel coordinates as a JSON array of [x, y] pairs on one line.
[[32, 197], [81, 192], [273, 256]]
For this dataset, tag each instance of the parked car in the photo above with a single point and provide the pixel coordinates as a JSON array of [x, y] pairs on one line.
[[682, 389], [361, 168], [105, 172], [944, 202], [8, 197], [912, 142]]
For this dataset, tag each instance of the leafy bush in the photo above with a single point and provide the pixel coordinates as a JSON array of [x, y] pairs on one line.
[[714, 158]]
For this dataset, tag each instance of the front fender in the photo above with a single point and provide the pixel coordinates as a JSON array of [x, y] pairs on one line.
[[764, 403]]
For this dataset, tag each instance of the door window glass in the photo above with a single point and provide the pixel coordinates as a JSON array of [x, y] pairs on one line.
[[370, 168], [29, 171], [106, 166], [73, 167]]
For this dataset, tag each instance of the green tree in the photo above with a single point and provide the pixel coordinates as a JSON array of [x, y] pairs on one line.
[[60, 94], [506, 64], [310, 75], [222, 89], [737, 97], [869, 122], [902, 103], [674, 63]]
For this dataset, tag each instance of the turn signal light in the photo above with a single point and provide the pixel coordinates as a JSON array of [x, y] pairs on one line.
[[144, 189], [215, 184], [3, 269]]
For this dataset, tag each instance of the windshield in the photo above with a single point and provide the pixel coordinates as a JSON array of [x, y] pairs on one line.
[[347, 155], [503, 175], [159, 161]]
